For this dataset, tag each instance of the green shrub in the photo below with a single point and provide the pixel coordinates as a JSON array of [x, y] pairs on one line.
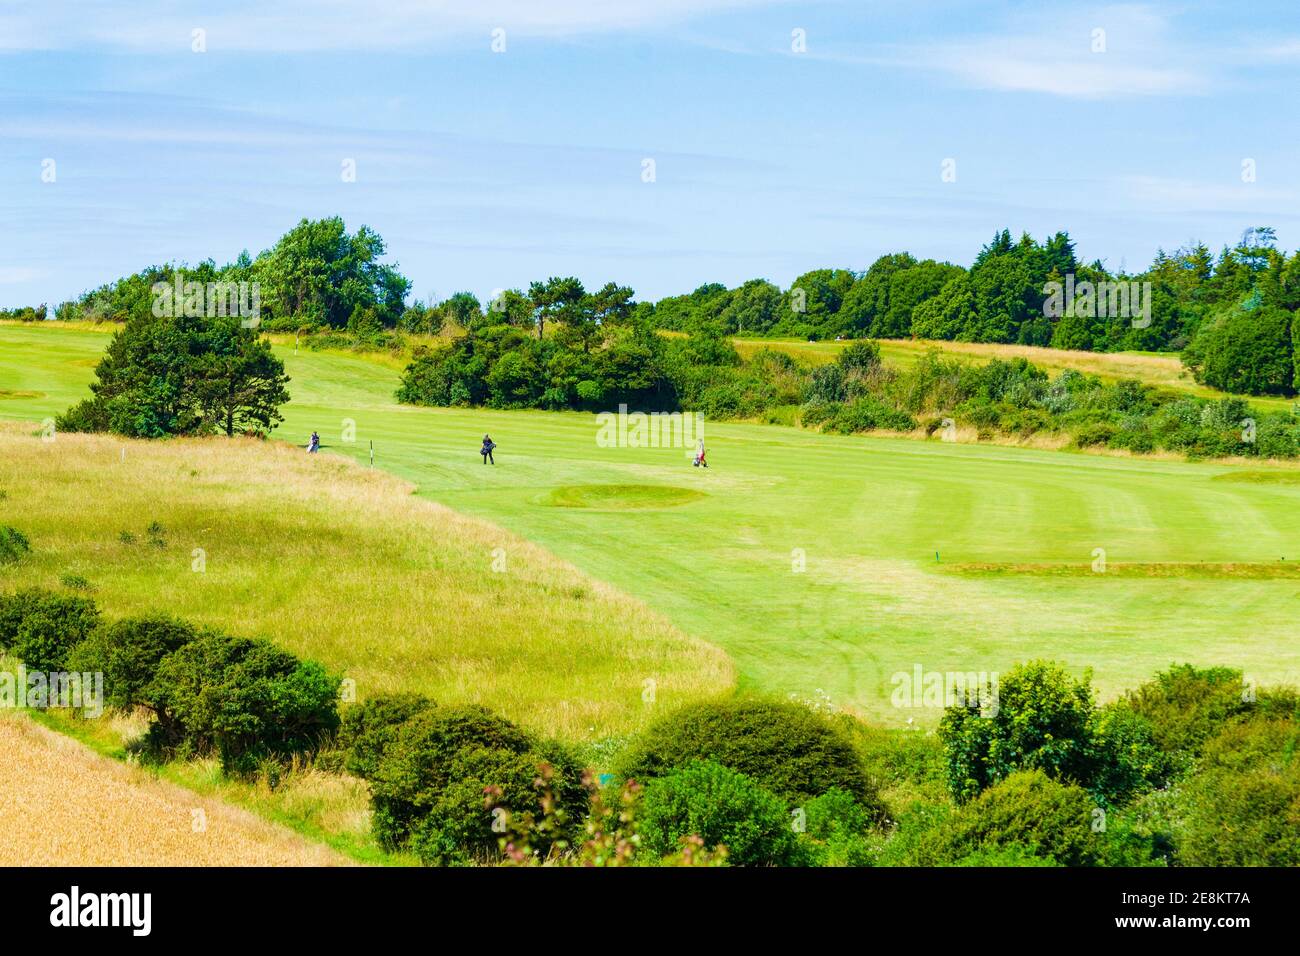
[[1124, 760], [1028, 809], [860, 356], [1185, 706], [485, 785], [1041, 722], [446, 768], [245, 699], [1277, 436], [1045, 720], [1026, 421], [979, 412], [867, 413], [835, 830], [1096, 433], [1242, 808], [1243, 818], [128, 652], [369, 728], [1259, 744], [1243, 349], [1010, 855], [13, 544], [14, 607], [905, 843], [913, 763], [1133, 436], [42, 627], [789, 749], [723, 808]]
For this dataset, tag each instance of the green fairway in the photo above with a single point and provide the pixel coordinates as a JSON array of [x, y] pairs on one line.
[[948, 557]]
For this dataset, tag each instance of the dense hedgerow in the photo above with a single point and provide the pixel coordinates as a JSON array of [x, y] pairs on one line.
[[41, 628], [504, 367], [243, 699], [207, 692], [723, 808], [128, 652], [369, 728], [786, 747]]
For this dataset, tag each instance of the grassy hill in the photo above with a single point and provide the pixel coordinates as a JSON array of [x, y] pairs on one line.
[[948, 557], [339, 563]]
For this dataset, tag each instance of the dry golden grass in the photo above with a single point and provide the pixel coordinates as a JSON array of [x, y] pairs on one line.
[[342, 564], [61, 804], [1162, 370], [1157, 369]]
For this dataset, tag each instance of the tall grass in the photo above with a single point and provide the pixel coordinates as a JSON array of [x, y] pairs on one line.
[[340, 563]]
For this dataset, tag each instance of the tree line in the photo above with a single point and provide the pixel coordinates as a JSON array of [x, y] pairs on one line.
[[1232, 316]]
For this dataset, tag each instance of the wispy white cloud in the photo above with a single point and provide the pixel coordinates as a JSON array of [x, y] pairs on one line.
[[326, 25], [1288, 49], [1093, 52], [14, 275], [1159, 193]]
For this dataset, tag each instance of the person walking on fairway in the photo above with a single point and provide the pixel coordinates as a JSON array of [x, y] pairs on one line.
[[314, 445], [486, 450], [699, 455]]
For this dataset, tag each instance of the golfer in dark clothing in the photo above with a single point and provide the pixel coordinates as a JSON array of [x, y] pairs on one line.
[[486, 450]]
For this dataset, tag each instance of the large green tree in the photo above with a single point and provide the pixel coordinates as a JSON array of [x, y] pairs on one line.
[[318, 273], [555, 300], [182, 376], [1246, 350]]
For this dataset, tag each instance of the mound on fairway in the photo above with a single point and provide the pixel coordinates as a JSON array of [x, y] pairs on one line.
[[61, 804], [1163, 569], [622, 497], [342, 564], [1278, 477]]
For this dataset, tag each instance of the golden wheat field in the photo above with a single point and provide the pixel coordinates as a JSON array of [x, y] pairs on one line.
[[63, 805]]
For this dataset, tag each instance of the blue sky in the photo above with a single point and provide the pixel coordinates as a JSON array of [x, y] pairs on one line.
[[485, 170]]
